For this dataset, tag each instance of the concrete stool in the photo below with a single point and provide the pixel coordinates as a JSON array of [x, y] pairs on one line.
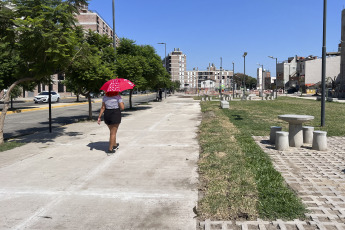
[[319, 140], [274, 129], [308, 134], [224, 104], [282, 140]]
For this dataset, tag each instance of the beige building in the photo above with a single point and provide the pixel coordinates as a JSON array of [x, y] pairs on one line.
[[88, 19], [177, 66]]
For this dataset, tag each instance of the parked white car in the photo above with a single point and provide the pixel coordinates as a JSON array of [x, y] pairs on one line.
[[44, 97]]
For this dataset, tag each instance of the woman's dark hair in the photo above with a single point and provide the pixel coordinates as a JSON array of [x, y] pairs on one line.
[[111, 94]]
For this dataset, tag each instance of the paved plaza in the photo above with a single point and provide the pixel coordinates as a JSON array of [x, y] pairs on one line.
[[318, 177]]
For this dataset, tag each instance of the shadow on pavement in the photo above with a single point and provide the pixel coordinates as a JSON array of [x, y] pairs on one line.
[[99, 145], [40, 133], [44, 127], [42, 137]]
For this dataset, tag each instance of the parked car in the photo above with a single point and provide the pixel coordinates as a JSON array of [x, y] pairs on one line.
[[44, 97], [126, 92]]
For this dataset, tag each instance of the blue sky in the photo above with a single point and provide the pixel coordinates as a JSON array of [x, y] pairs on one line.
[[207, 30]]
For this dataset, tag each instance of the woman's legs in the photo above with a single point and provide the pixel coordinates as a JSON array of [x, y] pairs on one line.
[[112, 140]]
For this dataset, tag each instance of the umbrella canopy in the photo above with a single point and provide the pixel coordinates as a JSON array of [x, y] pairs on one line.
[[117, 85]]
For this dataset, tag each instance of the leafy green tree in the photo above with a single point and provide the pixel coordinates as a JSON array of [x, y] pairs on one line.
[[249, 81], [38, 39], [93, 68], [141, 65]]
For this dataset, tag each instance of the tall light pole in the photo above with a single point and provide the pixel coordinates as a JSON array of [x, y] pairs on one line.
[[323, 79], [165, 53], [244, 75], [114, 36], [262, 80], [276, 74], [165, 58], [220, 78], [233, 80]]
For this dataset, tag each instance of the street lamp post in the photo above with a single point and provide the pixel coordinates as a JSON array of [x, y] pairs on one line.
[[220, 79], [165, 58], [276, 74], [323, 78], [262, 81], [233, 80], [244, 75], [165, 53], [114, 36]]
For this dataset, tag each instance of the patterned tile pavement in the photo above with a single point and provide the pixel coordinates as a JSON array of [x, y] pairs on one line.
[[318, 177]]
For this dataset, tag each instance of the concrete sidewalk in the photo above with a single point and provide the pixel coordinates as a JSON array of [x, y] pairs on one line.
[[65, 180]]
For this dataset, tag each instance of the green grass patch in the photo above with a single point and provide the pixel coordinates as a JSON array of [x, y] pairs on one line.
[[257, 116], [228, 186], [238, 179], [10, 145]]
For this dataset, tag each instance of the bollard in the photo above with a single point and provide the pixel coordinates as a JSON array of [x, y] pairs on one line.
[[224, 104]]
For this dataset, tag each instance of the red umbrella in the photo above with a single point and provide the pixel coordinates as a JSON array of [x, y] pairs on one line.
[[117, 85]]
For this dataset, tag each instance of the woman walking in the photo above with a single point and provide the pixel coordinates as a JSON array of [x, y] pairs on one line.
[[112, 105]]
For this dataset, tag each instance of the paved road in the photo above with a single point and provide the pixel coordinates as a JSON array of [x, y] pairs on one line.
[[35, 117]]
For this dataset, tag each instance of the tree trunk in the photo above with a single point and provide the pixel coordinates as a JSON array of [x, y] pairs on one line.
[[6, 105]]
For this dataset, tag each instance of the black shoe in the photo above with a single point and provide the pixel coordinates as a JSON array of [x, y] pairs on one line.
[[116, 147], [111, 151]]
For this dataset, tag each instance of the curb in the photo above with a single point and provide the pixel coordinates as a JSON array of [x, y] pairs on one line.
[[47, 107]]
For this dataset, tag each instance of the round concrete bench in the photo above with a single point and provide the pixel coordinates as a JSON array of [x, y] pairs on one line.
[[319, 140], [274, 129], [282, 140], [308, 134]]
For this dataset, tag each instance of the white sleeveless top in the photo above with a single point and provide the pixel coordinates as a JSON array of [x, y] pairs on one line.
[[112, 102]]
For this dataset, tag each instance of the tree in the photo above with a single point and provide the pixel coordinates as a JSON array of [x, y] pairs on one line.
[[94, 66], [250, 81], [141, 65], [38, 39]]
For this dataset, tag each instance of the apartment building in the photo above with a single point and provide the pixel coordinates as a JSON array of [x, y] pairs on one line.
[[177, 66], [88, 19], [211, 78], [91, 19]]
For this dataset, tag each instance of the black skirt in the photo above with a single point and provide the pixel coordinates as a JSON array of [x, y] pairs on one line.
[[112, 116]]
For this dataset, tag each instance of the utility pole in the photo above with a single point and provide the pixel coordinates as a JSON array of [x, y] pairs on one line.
[[114, 36], [220, 79], [323, 80], [244, 76], [233, 80]]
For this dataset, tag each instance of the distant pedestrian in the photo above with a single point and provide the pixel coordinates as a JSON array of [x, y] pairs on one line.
[[111, 107], [160, 92]]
